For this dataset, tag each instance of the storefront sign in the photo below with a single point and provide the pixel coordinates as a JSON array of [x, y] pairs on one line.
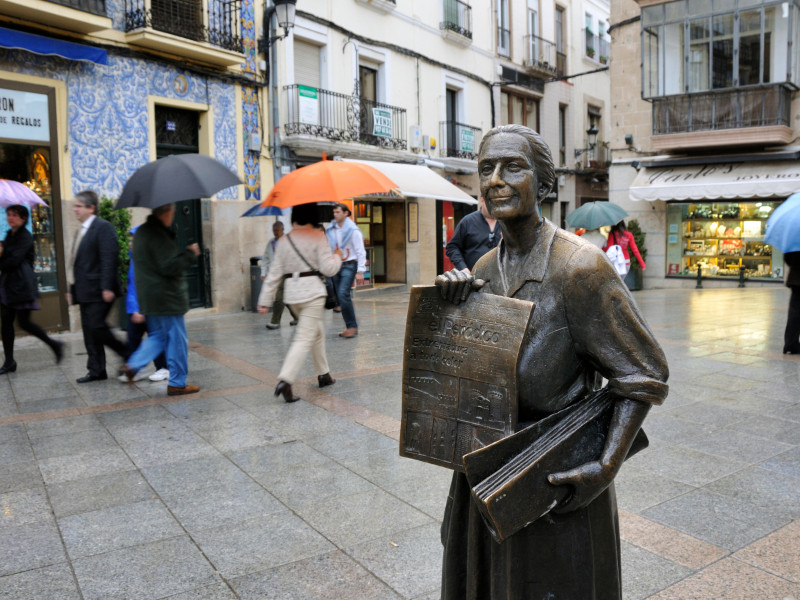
[[308, 105], [459, 374], [768, 179], [467, 140], [24, 116], [382, 122]]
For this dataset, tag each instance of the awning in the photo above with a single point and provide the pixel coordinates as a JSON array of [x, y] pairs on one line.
[[39, 44], [728, 181], [420, 182]]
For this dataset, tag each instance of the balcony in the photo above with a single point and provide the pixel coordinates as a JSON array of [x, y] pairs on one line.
[[204, 30], [596, 48], [756, 115], [457, 23], [541, 56], [596, 159], [384, 6], [342, 118], [82, 16], [459, 140]]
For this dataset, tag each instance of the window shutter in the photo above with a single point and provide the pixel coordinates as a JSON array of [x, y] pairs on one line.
[[306, 64]]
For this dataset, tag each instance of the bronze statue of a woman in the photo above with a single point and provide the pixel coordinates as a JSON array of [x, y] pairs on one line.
[[585, 326]]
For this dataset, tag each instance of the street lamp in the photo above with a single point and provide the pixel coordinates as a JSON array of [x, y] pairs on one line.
[[285, 9], [591, 136]]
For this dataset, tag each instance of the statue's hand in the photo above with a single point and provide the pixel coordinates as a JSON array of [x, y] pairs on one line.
[[588, 481], [455, 286]]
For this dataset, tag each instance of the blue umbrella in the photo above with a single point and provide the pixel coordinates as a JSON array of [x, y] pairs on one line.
[[263, 211], [783, 226]]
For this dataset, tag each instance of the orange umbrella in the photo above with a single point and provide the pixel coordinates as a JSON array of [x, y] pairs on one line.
[[327, 181]]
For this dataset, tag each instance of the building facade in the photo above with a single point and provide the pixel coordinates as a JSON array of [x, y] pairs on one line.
[[706, 118], [94, 89]]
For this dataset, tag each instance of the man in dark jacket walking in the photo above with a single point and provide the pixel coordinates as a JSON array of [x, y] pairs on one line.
[[159, 266], [474, 236], [791, 337], [94, 278]]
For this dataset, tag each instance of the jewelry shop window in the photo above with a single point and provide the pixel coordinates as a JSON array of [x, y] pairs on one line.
[[720, 238]]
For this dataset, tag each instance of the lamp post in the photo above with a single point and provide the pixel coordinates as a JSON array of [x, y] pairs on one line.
[[591, 137]]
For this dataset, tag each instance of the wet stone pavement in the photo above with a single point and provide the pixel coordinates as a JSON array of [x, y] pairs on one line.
[[114, 491]]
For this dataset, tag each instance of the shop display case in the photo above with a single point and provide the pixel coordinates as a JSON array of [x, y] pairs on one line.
[[44, 243], [722, 238]]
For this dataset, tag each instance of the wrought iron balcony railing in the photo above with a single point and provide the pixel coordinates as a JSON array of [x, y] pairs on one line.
[[540, 54], [343, 118], [96, 7], [459, 140], [598, 158], [214, 21], [756, 106], [457, 17]]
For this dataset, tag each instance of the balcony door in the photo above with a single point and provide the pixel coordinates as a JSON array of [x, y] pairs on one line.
[[181, 17], [177, 132]]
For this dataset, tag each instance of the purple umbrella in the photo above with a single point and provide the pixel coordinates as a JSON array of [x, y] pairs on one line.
[[13, 192]]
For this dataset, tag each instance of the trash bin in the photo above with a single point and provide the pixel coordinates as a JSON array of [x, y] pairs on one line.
[[255, 282]]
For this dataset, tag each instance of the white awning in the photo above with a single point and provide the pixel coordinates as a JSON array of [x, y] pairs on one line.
[[420, 182], [728, 181]]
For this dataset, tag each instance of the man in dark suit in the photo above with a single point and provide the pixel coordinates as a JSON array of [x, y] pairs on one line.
[[95, 283]]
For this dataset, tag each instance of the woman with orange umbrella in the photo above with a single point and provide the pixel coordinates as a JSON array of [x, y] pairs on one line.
[[302, 259]]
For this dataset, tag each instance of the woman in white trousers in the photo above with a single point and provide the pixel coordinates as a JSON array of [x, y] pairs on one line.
[[301, 257]]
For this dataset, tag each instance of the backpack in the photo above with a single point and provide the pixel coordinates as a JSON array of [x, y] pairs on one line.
[[617, 258]]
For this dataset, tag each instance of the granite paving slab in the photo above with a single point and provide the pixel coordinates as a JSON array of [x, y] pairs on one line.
[[777, 493], [392, 558], [180, 477], [332, 576], [49, 583], [156, 570], [88, 464], [771, 428], [217, 591], [639, 489], [736, 445], [787, 463], [260, 544], [96, 493], [777, 553], [30, 547], [20, 476], [117, 527], [348, 520], [644, 573], [24, 507], [217, 506], [721, 520], [687, 466], [94, 440], [276, 458], [84, 423]]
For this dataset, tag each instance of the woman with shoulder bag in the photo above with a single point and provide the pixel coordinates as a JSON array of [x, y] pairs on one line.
[[302, 259], [18, 287]]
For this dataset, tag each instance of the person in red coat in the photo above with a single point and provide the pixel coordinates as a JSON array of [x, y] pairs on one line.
[[620, 235]]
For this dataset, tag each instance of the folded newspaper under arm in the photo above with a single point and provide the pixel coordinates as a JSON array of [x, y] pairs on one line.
[[509, 477]]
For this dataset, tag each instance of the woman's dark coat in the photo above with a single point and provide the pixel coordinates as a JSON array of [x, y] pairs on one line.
[[16, 268]]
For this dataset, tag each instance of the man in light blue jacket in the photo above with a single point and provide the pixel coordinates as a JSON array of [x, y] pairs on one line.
[[345, 235]]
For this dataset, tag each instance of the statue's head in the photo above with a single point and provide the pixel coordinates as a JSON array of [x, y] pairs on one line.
[[516, 171]]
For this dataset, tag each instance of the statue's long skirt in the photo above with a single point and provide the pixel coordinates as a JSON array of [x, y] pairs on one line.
[[558, 557]]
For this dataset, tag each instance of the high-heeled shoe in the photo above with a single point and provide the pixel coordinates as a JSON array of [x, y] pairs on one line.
[[286, 389], [8, 367], [325, 380]]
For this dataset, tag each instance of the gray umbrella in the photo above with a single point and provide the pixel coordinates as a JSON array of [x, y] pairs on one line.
[[174, 178]]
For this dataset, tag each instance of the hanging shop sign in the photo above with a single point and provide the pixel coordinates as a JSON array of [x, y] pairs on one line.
[[308, 104], [24, 116], [382, 122]]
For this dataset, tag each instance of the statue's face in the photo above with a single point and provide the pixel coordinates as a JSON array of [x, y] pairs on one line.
[[508, 177]]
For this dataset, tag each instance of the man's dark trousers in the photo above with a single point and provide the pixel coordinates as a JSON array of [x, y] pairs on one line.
[[97, 334]]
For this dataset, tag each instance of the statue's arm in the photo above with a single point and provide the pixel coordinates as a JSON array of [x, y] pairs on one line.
[[589, 480]]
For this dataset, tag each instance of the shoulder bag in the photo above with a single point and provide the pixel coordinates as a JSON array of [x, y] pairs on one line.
[[330, 298]]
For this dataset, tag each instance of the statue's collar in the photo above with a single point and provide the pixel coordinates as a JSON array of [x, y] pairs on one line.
[[534, 266]]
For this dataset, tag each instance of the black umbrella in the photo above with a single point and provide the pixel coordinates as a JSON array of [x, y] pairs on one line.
[[174, 178]]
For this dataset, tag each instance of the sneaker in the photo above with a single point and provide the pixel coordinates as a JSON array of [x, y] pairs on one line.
[[159, 375]]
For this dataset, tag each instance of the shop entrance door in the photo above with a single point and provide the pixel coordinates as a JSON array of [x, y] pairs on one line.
[[177, 133], [395, 219], [28, 154]]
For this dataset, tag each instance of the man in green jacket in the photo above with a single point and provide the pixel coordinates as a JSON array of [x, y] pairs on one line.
[[163, 298]]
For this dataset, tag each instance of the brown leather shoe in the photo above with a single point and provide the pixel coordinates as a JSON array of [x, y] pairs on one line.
[[350, 332], [127, 372], [180, 391]]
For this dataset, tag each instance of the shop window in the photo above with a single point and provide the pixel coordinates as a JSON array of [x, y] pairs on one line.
[[720, 238]]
